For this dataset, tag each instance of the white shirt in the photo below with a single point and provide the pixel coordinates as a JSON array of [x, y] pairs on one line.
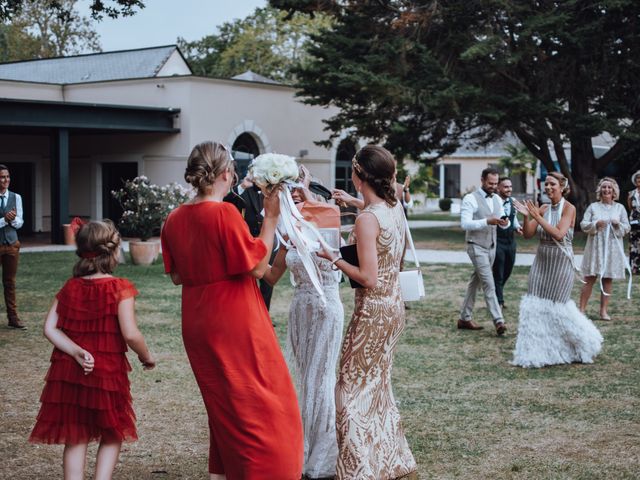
[[507, 211], [470, 206], [18, 221]]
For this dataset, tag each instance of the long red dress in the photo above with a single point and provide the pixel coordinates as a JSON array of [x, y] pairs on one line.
[[78, 408], [254, 420]]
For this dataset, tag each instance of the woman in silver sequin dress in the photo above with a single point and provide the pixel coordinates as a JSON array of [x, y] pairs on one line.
[[314, 334], [551, 329], [605, 222]]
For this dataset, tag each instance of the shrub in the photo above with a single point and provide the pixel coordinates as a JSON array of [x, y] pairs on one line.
[[444, 204], [145, 206]]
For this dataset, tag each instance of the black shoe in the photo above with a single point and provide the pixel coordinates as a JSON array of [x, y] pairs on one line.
[[17, 323], [501, 328]]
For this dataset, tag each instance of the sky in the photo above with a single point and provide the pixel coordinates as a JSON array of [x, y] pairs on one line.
[[161, 22]]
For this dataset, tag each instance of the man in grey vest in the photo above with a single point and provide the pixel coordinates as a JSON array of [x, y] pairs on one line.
[[10, 221], [506, 246], [480, 215]]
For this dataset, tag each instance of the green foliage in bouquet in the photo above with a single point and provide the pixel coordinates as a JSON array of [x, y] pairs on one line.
[[145, 206]]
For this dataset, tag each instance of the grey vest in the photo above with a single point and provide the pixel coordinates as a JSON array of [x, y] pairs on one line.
[[485, 237], [8, 234]]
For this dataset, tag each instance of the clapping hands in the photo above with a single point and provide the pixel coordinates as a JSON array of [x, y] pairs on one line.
[[528, 208]]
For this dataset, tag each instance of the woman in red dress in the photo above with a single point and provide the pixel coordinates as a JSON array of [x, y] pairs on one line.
[[254, 421]]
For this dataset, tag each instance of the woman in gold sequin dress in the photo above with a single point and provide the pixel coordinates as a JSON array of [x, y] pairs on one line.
[[371, 441]]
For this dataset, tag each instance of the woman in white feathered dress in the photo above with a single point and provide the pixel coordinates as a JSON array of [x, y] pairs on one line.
[[551, 329], [606, 223]]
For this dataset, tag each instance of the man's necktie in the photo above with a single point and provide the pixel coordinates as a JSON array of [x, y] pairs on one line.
[[2, 199]]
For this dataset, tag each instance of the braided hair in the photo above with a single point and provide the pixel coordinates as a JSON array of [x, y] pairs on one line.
[[98, 246], [376, 166]]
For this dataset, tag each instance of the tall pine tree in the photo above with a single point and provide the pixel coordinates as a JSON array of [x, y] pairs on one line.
[[424, 76]]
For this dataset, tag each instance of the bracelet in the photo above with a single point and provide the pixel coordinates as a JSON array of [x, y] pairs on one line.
[[334, 267]]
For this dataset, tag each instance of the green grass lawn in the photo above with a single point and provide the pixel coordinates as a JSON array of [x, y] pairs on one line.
[[467, 413], [452, 238]]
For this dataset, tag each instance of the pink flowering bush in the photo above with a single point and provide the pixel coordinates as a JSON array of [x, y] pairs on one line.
[[145, 206]]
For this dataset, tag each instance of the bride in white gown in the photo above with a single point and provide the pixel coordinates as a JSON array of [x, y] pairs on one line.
[[314, 334]]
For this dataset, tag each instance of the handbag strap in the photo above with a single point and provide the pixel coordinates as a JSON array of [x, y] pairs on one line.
[[410, 239]]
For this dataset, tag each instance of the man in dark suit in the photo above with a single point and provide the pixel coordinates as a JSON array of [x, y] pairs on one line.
[[506, 242], [248, 200]]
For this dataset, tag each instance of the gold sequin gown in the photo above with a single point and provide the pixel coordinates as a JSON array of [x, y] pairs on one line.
[[371, 441]]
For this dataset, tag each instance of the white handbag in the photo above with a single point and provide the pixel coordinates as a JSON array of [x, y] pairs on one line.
[[411, 281]]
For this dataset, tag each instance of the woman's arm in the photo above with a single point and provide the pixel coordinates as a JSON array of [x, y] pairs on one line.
[[622, 226], [589, 222], [567, 220], [367, 230], [340, 196], [271, 206], [131, 333], [62, 342], [277, 269]]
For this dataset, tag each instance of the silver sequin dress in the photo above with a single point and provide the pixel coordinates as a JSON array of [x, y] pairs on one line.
[[314, 334], [551, 329]]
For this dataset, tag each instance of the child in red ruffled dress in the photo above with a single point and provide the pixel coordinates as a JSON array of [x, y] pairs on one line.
[[92, 320]]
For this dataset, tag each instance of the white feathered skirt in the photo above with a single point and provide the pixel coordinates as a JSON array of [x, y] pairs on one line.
[[553, 333]]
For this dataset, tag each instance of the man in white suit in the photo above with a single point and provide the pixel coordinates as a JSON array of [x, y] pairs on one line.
[[481, 214]]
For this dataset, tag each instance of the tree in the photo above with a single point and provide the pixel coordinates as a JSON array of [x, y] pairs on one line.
[[426, 76], [99, 8], [262, 42], [39, 32]]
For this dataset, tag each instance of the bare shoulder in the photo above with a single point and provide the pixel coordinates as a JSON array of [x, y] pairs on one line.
[[367, 221]]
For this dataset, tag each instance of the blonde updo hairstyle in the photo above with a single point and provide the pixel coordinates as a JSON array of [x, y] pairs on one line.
[[98, 245], [564, 182], [376, 166], [614, 185], [206, 161]]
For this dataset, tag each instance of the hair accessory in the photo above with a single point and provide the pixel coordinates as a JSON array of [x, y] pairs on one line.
[[356, 165], [89, 255]]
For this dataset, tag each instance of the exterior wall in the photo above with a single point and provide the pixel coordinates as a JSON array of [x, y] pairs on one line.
[[175, 65], [210, 109], [31, 91]]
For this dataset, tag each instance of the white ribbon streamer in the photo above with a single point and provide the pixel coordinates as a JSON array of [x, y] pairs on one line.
[[303, 236], [627, 265]]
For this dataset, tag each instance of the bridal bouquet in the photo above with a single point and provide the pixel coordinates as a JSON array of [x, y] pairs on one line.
[[271, 169], [268, 171]]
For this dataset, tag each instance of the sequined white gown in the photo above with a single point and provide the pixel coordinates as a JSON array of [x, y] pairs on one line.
[[314, 334]]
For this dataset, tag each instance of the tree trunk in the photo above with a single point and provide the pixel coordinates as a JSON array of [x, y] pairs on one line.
[[584, 176]]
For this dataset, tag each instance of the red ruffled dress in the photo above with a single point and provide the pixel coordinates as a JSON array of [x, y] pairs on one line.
[[78, 408]]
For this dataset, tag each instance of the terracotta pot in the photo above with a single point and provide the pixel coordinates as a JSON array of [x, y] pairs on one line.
[[144, 253], [69, 236]]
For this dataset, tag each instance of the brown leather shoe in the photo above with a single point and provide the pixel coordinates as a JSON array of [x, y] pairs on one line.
[[501, 328], [469, 325], [17, 323]]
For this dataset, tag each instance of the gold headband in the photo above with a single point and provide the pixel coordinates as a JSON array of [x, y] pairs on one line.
[[356, 165]]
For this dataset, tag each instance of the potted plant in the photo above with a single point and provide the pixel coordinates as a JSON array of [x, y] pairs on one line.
[[145, 206]]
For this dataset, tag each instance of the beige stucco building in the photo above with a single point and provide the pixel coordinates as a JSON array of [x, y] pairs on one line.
[[72, 128]]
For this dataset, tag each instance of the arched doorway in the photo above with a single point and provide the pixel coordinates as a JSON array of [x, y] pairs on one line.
[[344, 154], [244, 149]]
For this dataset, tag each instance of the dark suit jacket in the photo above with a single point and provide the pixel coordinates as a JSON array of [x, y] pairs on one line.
[[249, 204]]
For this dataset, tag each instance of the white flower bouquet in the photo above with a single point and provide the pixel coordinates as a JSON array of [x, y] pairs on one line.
[[268, 171], [271, 169]]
